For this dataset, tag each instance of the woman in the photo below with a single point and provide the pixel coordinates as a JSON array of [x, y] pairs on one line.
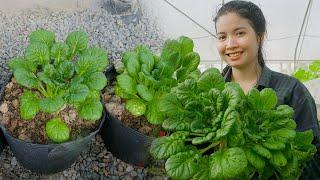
[[241, 28]]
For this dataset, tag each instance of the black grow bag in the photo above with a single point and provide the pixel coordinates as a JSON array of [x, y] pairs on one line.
[[123, 142], [2, 141], [3, 81], [48, 158]]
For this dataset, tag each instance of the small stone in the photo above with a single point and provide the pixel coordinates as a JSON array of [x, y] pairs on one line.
[[134, 173], [4, 107], [15, 103], [9, 86], [14, 161], [129, 168]]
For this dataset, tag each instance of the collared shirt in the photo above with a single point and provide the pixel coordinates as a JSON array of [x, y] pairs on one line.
[[292, 92]]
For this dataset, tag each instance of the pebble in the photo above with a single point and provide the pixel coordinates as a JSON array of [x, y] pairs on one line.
[[106, 31], [4, 107]]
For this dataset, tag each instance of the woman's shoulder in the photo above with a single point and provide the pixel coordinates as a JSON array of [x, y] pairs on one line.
[[290, 83]]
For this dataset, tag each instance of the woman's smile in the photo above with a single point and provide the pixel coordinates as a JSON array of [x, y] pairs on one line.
[[234, 55]]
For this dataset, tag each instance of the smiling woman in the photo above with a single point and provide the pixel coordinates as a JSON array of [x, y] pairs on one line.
[[240, 27]]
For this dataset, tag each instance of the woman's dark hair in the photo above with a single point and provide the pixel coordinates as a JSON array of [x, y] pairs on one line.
[[251, 12]]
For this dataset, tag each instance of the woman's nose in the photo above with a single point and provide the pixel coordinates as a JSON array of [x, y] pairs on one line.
[[231, 43]]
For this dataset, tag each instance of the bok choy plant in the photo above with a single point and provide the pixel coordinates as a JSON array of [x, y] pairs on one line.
[[218, 132], [55, 74], [147, 77]]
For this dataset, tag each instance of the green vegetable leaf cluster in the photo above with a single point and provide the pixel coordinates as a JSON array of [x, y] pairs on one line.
[[56, 74], [218, 132], [312, 72], [146, 77]]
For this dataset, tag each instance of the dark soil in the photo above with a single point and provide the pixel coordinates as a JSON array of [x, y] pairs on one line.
[[34, 130], [116, 106]]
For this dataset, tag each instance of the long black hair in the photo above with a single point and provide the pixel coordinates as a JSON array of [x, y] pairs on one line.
[[253, 14]]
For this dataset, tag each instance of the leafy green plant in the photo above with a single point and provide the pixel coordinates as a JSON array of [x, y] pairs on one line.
[[56, 74], [218, 132], [147, 77], [312, 72]]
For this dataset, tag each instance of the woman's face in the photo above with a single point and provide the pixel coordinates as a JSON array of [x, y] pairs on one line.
[[237, 41]]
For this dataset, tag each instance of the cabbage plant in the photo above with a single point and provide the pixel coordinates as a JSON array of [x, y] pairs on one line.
[[312, 72], [55, 74], [147, 77], [218, 132]]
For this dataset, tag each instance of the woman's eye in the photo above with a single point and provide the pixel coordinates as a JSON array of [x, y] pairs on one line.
[[239, 34], [221, 38]]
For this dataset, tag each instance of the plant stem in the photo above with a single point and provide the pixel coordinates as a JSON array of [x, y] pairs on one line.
[[42, 90], [197, 134], [208, 147], [223, 144]]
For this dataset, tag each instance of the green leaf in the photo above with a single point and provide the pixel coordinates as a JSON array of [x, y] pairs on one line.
[[170, 105], [165, 147], [96, 81], [85, 66], [315, 66], [254, 159], [121, 93], [131, 63], [29, 105], [229, 118], [136, 107], [59, 52], [57, 130], [273, 144], [304, 75], [201, 140], [191, 61], [185, 90], [304, 138], [51, 105], [42, 36], [268, 99], [77, 42], [234, 94], [285, 134], [203, 170], [145, 57], [278, 159], [148, 80], [144, 92], [262, 151], [38, 53], [94, 95], [182, 165], [127, 84], [170, 53], [209, 80], [228, 163], [21, 63], [171, 124], [182, 74], [91, 109], [282, 112], [97, 56], [66, 69], [186, 45], [26, 78], [77, 93]]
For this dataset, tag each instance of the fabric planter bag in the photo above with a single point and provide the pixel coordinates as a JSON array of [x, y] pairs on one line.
[[50, 158], [123, 142]]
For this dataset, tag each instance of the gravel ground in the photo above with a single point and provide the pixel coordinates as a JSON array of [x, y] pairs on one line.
[[111, 32]]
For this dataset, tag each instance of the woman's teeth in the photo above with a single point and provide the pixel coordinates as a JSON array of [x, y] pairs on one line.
[[234, 54]]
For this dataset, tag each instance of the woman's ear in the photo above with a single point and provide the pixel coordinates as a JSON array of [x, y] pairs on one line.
[[261, 37]]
